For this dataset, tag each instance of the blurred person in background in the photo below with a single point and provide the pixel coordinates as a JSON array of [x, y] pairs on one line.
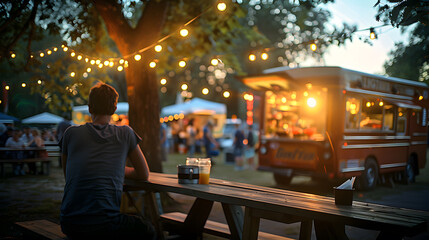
[[27, 137], [164, 141], [249, 152], [16, 142], [238, 148], [191, 134], [210, 142], [36, 142]]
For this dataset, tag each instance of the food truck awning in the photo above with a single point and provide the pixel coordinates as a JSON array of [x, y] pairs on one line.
[[267, 82], [195, 106], [405, 105]]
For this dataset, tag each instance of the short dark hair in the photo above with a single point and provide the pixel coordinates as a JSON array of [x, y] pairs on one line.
[[103, 99]]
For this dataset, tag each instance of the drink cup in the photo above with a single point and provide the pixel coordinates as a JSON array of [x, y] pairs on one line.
[[205, 165], [192, 161]]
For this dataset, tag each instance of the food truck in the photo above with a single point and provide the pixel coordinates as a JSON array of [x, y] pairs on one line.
[[335, 123]]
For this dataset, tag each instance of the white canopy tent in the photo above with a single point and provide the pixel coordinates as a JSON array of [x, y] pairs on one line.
[[196, 106], [202, 110], [43, 118], [80, 114]]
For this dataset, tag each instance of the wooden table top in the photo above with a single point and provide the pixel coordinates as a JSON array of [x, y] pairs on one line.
[[360, 214]]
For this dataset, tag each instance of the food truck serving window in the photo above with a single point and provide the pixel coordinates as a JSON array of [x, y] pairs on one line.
[[297, 114], [369, 114]]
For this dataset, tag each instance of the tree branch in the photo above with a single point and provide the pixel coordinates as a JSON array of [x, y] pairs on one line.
[[116, 24], [27, 23], [152, 21], [14, 15]]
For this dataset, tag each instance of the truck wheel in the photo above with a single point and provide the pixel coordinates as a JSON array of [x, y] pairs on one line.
[[370, 175], [410, 174], [282, 179]]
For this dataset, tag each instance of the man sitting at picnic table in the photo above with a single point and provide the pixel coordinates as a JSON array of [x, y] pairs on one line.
[[94, 158]]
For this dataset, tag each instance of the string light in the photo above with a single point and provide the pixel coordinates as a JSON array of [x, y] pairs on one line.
[[184, 32], [252, 57], [111, 64], [55, 49], [205, 91], [264, 56], [98, 61], [106, 63], [13, 55], [79, 57], [420, 97], [39, 82], [49, 52], [100, 65], [7, 87], [158, 48], [226, 94], [221, 6], [121, 61], [313, 47], [120, 68], [92, 62], [137, 57], [65, 49], [23, 85], [72, 74], [182, 63], [88, 69], [163, 81], [152, 64], [42, 54], [214, 61], [86, 59], [372, 34], [72, 54], [184, 87]]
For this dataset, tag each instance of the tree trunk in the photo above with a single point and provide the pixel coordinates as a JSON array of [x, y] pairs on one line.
[[142, 84]]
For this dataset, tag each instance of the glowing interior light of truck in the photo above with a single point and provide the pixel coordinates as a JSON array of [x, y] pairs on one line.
[[311, 102]]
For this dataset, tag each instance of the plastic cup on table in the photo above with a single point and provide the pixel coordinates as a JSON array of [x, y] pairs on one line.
[[205, 165], [192, 161]]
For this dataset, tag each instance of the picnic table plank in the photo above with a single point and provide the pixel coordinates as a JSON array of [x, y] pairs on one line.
[[302, 205]]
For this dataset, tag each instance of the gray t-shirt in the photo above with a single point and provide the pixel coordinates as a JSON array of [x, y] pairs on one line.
[[95, 169]]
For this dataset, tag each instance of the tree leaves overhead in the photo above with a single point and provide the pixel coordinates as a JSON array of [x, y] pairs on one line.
[[411, 61], [403, 12]]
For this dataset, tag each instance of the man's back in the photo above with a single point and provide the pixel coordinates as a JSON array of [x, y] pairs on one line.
[[96, 158]]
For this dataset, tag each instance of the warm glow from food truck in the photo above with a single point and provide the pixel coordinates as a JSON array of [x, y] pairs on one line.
[[293, 114]]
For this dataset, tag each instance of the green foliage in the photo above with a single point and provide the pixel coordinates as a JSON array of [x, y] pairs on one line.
[[411, 61], [403, 12]]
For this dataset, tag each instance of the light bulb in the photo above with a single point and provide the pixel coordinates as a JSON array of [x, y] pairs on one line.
[[137, 57], [252, 57], [158, 48], [184, 32]]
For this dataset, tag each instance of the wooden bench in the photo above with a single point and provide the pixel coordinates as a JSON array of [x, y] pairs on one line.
[[46, 164], [41, 229], [175, 220]]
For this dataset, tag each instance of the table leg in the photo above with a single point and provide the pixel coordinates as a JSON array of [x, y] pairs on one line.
[[328, 230], [251, 225], [234, 217], [384, 235], [197, 217], [305, 230], [152, 209]]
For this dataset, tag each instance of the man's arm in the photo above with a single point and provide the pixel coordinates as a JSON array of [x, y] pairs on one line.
[[140, 169]]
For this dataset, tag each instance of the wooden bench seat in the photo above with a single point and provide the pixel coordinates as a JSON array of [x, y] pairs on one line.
[[211, 227], [41, 229], [44, 161]]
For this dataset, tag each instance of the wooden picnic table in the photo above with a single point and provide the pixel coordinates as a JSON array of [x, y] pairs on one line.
[[278, 205], [30, 155]]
